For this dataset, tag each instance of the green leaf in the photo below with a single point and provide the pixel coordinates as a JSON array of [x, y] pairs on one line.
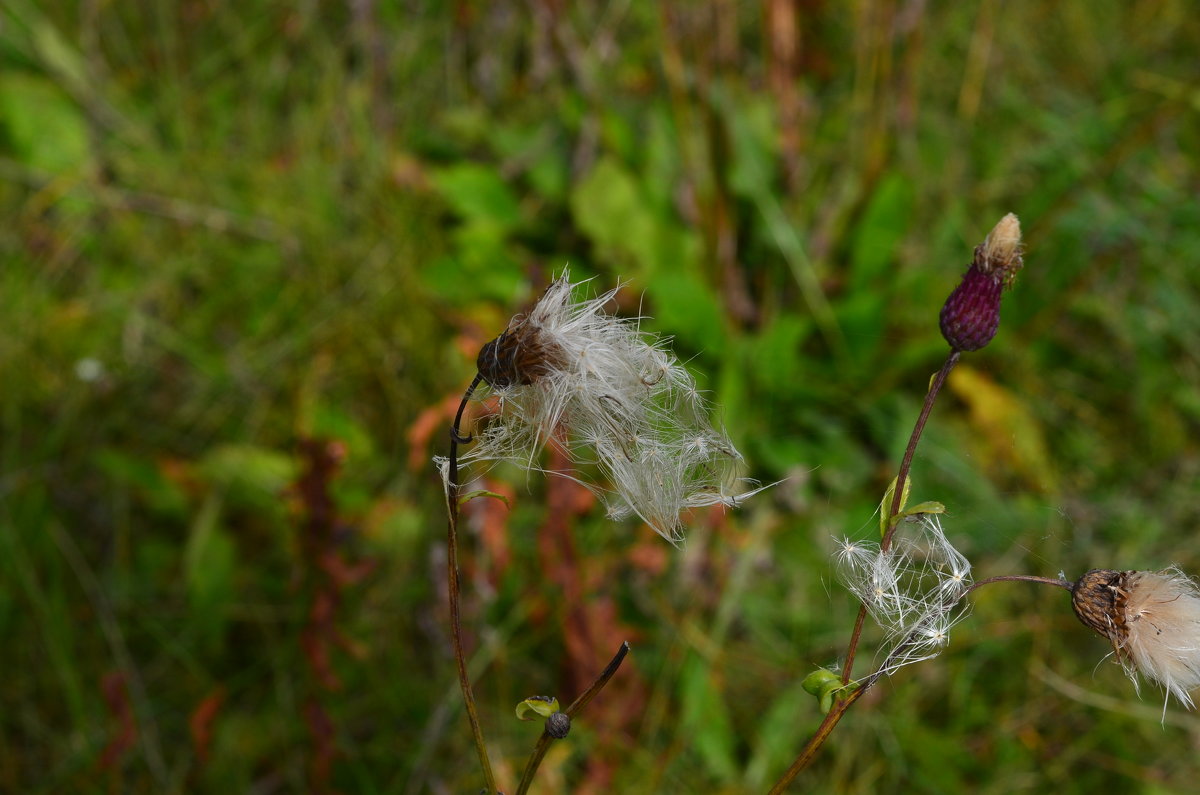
[[536, 707], [930, 506], [247, 473], [40, 125], [609, 209], [826, 686], [464, 499], [208, 568], [883, 226], [885, 505], [706, 719], [478, 194], [145, 479]]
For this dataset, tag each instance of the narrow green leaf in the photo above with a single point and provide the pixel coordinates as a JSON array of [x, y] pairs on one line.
[[930, 506], [885, 505], [464, 499]]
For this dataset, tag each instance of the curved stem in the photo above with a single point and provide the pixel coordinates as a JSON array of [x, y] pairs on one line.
[[818, 738], [906, 464], [464, 680], [1055, 581], [898, 495], [543, 743]]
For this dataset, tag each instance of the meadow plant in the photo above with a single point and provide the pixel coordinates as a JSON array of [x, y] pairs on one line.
[[572, 375], [913, 584], [612, 398], [615, 401]]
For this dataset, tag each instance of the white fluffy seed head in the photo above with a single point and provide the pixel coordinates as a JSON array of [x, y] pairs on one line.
[[572, 374], [913, 590], [1153, 621]]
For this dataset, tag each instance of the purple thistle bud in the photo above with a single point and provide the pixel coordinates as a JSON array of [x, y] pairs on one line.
[[971, 314]]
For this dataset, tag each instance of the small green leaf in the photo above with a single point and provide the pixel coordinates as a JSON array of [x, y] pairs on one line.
[[464, 499], [930, 506], [819, 681], [536, 707], [885, 505], [826, 686]]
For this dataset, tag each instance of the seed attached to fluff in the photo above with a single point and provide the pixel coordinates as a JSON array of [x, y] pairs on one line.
[[1152, 620], [610, 396], [971, 315]]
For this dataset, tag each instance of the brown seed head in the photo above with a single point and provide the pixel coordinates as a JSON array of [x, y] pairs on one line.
[[1099, 600], [519, 356]]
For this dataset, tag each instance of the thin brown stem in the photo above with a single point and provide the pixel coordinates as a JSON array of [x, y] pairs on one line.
[[906, 464], [898, 495], [1066, 584], [464, 680], [543, 743], [818, 738]]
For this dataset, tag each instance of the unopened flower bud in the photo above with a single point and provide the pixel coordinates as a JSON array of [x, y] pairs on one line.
[[971, 314], [1152, 620], [558, 725]]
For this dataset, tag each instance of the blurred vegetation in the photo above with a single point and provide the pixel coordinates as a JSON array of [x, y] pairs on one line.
[[250, 251]]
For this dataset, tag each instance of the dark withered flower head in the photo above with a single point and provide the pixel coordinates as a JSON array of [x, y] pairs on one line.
[[971, 315], [571, 374], [1152, 620]]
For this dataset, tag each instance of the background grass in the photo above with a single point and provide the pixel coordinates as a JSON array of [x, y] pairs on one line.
[[231, 227]]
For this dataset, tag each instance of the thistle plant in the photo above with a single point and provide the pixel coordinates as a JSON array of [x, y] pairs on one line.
[[615, 400], [572, 375], [1152, 620], [913, 584], [617, 403]]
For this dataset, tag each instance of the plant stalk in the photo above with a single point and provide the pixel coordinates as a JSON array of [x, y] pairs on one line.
[[543, 743], [818, 738], [464, 680], [898, 494]]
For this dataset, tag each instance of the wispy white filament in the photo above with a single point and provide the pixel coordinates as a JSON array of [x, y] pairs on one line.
[[614, 397], [1162, 616], [913, 590]]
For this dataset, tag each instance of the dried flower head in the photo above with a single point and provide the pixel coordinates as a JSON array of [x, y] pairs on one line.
[[570, 374], [971, 315], [913, 590], [1152, 620]]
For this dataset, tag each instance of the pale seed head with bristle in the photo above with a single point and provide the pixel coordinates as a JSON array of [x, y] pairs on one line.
[[1152, 620], [571, 374]]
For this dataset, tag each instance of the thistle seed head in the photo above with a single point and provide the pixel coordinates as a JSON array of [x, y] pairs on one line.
[[1152, 620], [971, 315], [519, 356], [914, 590], [611, 397]]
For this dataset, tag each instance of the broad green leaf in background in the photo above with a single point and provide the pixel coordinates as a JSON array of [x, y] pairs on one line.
[[208, 567], [706, 720], [160, 493], [781, 731], [249, 474], [1006, 431], [40, 125], [878, 236], [608, 208], [478, 194]]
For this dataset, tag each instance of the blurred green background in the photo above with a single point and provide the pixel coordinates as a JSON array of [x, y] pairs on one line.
[[250, 250]]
